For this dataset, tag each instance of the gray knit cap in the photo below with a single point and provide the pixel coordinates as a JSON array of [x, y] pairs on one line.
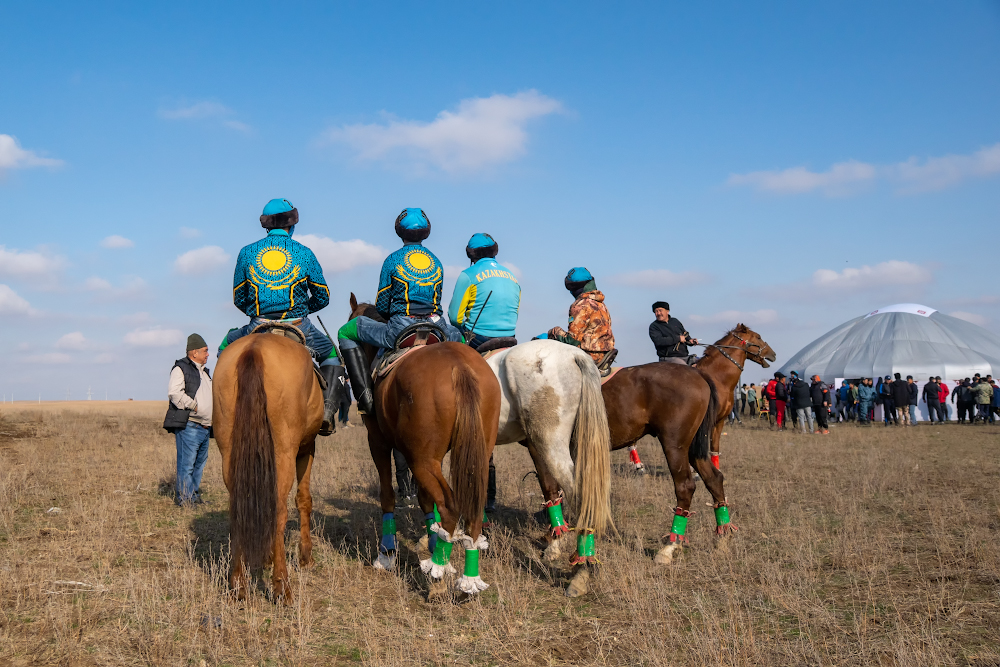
[[195, 342]]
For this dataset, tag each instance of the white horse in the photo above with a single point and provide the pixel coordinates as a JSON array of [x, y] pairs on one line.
[[552, 404]]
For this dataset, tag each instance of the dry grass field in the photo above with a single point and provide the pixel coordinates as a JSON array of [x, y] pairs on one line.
[[865, 547]]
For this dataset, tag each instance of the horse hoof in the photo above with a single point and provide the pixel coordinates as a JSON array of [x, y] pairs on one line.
[[385, 562], [725, 530], [306, 561], [579, 585], [558, 548], [666, 555], [438, 591], [471, 585]]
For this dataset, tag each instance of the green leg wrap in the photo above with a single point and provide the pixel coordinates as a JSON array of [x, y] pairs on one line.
[[471, 563], [333, 353], [556, 516], [442, 552], [486, 519], [437, 515], [722, 515], [349, 330], [679, 525], [585, 545]]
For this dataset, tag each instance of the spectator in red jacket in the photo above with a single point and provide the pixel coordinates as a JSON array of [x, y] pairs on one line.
[[777, 396]]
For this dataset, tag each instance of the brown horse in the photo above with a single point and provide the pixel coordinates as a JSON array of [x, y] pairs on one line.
[[268, 408], [723, 364], [443, 396], [678, 406]]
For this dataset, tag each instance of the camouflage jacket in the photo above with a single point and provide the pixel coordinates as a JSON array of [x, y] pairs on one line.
[[589, 324]]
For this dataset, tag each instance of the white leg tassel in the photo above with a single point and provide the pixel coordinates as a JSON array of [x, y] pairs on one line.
[[435, 571], [471, 585], [385, 562]]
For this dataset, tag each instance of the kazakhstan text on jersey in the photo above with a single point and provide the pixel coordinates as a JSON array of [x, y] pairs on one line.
[[486, 279], [279, 278]]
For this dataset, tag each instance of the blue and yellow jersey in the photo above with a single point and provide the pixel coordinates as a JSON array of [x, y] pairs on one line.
[[279, 278], [486, 278], [410, 283]]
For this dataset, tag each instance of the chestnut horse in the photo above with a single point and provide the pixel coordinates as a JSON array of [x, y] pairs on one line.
[[723, 363], [678, 406], [443, 396], [268, 408]]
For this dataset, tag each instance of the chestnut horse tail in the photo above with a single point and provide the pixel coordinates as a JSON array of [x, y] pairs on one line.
[[702, 442], [591, 440], [470, 458], [254, 495]]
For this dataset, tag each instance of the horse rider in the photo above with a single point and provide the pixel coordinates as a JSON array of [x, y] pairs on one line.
[[279, 279], [487, 295], [409, 292], [669, 335], [484, 306], [589, 319]]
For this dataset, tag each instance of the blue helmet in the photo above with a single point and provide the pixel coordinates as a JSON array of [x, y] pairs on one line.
[[279, 214], [413, 225], [580, 280], [481, 245]]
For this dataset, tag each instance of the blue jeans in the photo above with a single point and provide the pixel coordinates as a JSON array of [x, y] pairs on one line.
[[383, 334], [192, 452], [316, 340]]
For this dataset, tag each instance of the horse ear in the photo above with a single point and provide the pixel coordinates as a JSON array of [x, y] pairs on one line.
[[354, 302], [742, 328]]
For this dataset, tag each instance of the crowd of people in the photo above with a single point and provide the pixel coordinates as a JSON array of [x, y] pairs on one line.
[[811, 406]]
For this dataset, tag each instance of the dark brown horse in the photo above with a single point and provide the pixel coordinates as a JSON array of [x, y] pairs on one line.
[[678, 406], [723, 364], [438, 398], [268, 407]]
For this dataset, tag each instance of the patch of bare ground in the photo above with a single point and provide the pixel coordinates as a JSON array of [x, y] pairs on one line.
[[865, 547]]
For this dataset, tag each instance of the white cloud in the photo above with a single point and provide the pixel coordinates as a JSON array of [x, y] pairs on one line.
[[105, 358], [115, 241], [129, 288], [72, 341], [154, 337], [733, 317], [483, 131], [911, 176], [893, 273], [136, 319], [12, 156], [206, 111], [659, 278], [13, 304], [49, 358], [201, 260], [29, 264], [516, 270], [971, 317], [95, 284], [190, 233], [339, 256]]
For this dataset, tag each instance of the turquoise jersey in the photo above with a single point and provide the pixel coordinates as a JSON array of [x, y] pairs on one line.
[[486, 278]]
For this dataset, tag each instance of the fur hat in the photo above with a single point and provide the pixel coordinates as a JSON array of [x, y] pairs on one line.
[[480, 246], [279, 214]]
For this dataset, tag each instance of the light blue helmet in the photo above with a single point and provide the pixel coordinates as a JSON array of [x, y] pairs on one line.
[[580, 280], [413, 225], [279, 214], [481, 245]]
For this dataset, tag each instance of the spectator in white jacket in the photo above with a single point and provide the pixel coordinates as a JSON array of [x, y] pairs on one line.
[[189, 418]]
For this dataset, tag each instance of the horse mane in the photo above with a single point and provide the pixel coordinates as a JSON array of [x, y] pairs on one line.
[[368, 310]]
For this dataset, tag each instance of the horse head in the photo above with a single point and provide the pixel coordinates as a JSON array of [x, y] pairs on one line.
[[364, 309], [756, 347]]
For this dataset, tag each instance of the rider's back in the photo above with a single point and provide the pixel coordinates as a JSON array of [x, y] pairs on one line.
[[278, 278]]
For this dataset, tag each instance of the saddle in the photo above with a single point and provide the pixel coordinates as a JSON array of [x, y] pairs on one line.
[[411, 338], [494, 344], [289, 330]]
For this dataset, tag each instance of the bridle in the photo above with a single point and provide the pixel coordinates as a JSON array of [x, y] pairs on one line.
[[746, 347]]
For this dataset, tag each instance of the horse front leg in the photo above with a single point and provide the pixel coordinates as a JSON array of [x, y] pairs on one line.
[[440, 517], [713, 479], [303, 500]]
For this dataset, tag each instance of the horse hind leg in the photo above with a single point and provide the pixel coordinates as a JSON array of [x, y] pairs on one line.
[[553, 495], [382, 456], [441, 520], [684, 487], [713, 479], [303, 501], [279, 573]]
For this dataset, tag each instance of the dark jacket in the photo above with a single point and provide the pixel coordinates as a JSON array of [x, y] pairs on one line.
[[932, 392], [913, 393], [801, 395], [177, 418], [820, 394], [900, 393], [666, 336]]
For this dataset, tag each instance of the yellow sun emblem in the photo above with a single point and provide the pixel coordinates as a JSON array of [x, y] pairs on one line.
[[419, 260], [273, 260]]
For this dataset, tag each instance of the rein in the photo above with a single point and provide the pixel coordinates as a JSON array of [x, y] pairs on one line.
[[745, 347]]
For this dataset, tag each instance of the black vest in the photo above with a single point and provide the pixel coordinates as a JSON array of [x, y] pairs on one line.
[[177, 418]]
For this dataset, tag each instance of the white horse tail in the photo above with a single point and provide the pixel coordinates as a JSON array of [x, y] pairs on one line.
[[591, 441]]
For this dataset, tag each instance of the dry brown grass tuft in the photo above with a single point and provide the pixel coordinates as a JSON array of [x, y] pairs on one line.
[[873, 546]]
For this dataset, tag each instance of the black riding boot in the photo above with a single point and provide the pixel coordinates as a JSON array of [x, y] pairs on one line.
[[334, 376], [491, 488], [357, 368]]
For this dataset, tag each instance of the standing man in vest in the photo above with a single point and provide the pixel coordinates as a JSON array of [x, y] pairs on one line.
[[189, 418], [485, 279], [669, 336]]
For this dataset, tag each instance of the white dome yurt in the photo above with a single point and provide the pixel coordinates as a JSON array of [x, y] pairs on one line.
[[906, 338]]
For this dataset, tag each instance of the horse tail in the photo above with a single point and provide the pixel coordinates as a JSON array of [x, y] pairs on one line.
[[253, 497], [702, 442], [592, 442], [470, 459]]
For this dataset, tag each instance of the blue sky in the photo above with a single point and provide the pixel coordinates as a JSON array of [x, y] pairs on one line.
[[785, 165]]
